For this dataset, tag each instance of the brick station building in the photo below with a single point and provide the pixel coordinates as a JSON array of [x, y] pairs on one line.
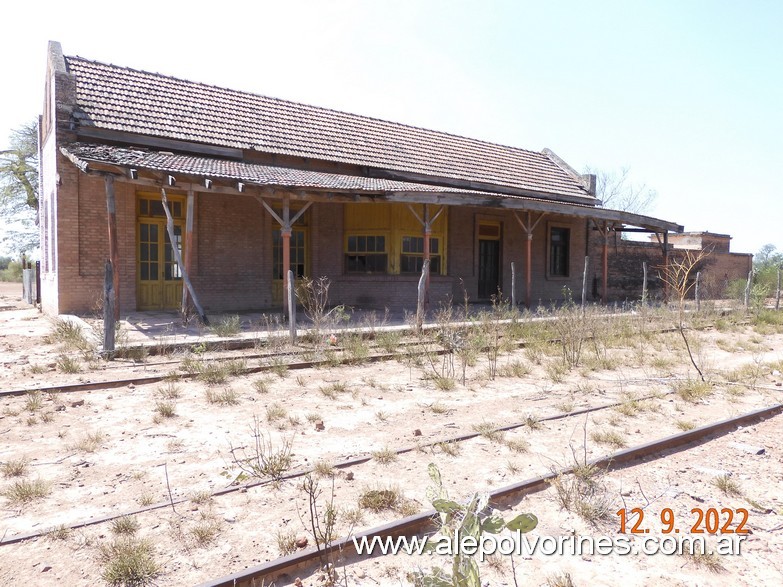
[[256, 185]]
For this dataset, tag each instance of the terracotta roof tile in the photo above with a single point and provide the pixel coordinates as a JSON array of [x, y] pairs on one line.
[[124, 99], [251, 173], [83, 154]]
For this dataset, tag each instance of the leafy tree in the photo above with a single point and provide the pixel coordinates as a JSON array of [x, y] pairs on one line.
[[19, 189], [616, 190], [765, 266]]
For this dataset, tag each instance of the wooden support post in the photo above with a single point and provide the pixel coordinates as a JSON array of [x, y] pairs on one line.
[[584, 284], [777, 292], [189, 210], [644, 283], [178, 258], [747, 289], [427, 232], [108, 312], [114, 249], [528, 269], [422, 294], [528, 229], [605, 258], [427, 223], [513, 286], [286, 222], [697, 292], [285, 234], [291, 295], [666, 266], [38, 283]]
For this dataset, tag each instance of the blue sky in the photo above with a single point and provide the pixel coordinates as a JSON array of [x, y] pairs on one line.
[[687, 94]]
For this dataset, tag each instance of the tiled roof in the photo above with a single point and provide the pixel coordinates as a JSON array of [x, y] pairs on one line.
[[251, 173], [83, 155], [123, 99]]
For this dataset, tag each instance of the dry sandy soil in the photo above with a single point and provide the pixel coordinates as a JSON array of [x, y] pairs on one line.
[[107, 452]]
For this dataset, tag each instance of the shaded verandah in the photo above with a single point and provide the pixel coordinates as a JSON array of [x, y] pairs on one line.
[[280, 187]]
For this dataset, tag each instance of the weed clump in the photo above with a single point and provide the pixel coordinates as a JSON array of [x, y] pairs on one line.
[[727, 485], [227, 326], [379, 499], [693, 391], [262, 459], [125, 526], [610, 437], [14, 468], [24, 491], [128, 562]]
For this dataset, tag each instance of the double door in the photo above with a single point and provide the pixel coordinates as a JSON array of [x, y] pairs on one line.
[[159, 275]]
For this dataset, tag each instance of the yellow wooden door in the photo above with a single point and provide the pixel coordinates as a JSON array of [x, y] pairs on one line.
[[159, 275]]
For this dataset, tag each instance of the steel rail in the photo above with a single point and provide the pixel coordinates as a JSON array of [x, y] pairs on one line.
[[422, 522], [302, 472], [149, 379]]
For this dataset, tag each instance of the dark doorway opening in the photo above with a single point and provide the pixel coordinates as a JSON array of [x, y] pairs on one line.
[[489, 268]]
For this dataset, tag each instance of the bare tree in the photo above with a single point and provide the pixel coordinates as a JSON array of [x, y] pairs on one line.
[[679, 276], [19, 188], [616, 190]]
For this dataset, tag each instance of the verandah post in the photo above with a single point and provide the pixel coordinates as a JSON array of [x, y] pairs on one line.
[[114, 254], [108, 311], [605, 258], [584, 284], [285, 234], [422, 294], [427, 233], [290, 294]]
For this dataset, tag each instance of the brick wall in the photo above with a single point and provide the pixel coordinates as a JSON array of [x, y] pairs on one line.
[[626, 257], [232, 263]]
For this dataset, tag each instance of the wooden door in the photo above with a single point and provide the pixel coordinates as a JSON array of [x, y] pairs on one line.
[[159, 276]]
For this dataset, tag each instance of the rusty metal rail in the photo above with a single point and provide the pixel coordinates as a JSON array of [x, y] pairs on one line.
[[302, 472], [422, 522]]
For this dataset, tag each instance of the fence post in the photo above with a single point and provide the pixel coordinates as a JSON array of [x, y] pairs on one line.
[[425, 271], [644, 283], [38, 282], [291, 306], [513, 286], [777, 293], [27, 284], [698, 292], [108, 312], [747, 289], [584, 285]]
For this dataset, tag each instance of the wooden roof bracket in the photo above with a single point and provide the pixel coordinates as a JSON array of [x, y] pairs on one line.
[[530, 226], [427, 221]]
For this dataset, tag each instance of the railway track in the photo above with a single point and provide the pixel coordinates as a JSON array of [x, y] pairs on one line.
[[296, 474], [422, 522], [414, 524], [238, 345]]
